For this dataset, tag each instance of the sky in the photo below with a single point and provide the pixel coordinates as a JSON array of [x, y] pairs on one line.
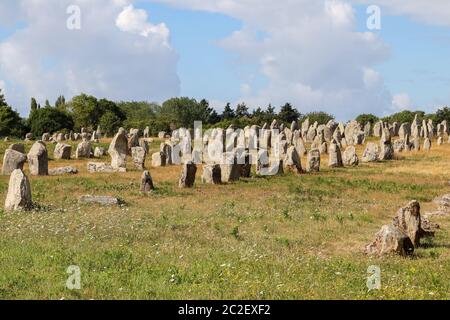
[[315, 54]]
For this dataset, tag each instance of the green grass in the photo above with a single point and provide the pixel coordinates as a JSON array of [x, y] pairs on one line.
[[286, 237]]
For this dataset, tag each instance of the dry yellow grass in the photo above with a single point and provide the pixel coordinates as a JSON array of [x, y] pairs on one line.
[[284, 237]]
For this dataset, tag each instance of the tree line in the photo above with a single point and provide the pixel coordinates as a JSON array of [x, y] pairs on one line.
[[86, 111]]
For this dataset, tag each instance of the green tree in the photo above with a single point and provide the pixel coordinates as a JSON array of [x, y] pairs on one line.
[[84, 111], [442, 114], [405, 116], [319, 116], [242, 110], [365, 118], [33, 105], [228, 113], [182, 112], [60, 103], [110, 123], [51, 120], [288, 114]]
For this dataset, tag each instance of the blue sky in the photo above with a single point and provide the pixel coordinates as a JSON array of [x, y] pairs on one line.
[[313, 54]]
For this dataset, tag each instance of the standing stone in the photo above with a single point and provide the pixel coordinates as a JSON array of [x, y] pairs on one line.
[[313, 161], [370, 153], [310, 136], [19, 192], [377, 129], [147, 132], [405, 130], [212, 174], [408, 220], [99, 152], [335, 156], [323, 148], [390, 240], [350, 158], [416, 144], [305, 128], [427, 144], [118, 150], [62, 151], [13, 160], [386, 148], [138, 155], [188, 173], [161, 135], [368, 129], [146, 182], [230, 170], [159, 159], [292, 161], [38, 159], [440, 141], [46, 137], [399, 145], [28, 137], [84, 150], [299, 145]]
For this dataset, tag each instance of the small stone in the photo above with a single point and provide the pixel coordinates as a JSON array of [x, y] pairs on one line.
[[146, 182], [62, 171], [62, 151], [101, 200]]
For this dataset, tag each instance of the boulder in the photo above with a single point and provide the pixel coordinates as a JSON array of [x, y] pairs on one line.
[[102, 167], [350, 158], [13, 160], [370, 153], [62, 151], [62, 171], [118, 150], [188, 173], [84, 150], [390, 240], [38, 159]]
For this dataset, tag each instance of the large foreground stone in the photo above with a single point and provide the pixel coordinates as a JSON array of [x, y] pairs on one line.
[[409, 221], [19, 192], [390, 240], [313, 161]]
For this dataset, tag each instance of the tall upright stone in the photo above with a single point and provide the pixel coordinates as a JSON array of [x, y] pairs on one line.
[[335, 155], [19, 192], [350, 158], [118, 150], [138, 154], [38, 159], [370, 153], [313, 161], [188, 173], [212, 174], [292, 162], [84, 150]]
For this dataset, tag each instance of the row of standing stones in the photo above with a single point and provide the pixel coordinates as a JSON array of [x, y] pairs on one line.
[[289, 145]]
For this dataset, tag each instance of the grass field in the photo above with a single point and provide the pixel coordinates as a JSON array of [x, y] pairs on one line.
[[284, 237]]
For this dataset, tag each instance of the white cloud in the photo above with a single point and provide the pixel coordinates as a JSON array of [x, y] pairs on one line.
[[401, 101], [136, 21], [309, 51], [45, 59]]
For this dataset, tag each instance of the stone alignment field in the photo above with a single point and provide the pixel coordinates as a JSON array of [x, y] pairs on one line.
[[282, 237]]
